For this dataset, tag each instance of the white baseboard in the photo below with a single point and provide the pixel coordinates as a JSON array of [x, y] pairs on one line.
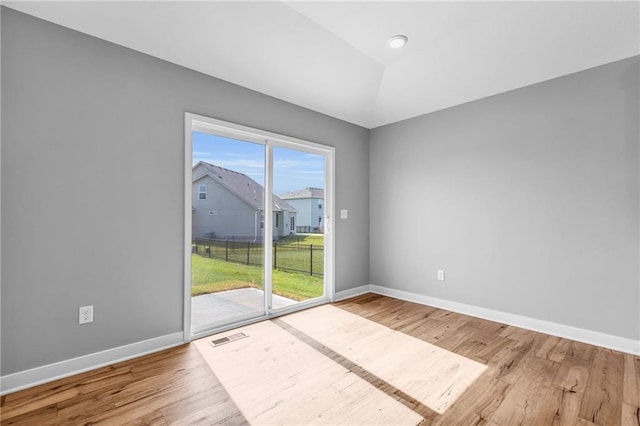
[[47, 373], [352, 292], [596, 338]]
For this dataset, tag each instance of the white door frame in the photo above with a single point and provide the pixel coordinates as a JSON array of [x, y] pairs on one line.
[[270, 140]]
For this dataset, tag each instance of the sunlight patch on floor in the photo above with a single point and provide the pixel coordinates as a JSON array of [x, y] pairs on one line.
[[434, 376], [275, 377]]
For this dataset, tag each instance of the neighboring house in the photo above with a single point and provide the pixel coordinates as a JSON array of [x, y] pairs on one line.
[[227, 204], [309, 203]]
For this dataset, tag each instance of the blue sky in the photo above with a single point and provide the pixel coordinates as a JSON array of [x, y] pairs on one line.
[[292, 170]]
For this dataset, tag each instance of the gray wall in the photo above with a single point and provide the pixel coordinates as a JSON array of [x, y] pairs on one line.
[[528, 200], [92, 142]]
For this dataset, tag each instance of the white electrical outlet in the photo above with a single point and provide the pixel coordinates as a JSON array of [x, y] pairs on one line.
[[86, 314], [440, 275]]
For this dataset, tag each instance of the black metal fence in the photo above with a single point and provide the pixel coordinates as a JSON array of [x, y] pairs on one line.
[[292, 257]]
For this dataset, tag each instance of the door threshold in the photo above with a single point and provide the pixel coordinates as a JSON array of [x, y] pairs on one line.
[[215, 328]]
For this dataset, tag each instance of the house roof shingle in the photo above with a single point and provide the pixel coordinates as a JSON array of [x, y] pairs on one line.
[[308, 192], [241, 185]]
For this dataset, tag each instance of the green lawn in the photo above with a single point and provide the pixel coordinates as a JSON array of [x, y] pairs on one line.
[[315, 239], [212, 275]]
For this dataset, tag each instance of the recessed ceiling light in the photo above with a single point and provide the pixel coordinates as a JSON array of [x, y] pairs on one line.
[[397, 41]]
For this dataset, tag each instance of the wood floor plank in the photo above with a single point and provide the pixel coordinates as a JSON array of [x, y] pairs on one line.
[[90, 397], [187, 403], [155, 418], [631, 386], [507, 362], [630, 415], [463, 334], [75, 411], [583, 422], [37, 403], [554, 348], [602, 402], [581, 350], [484, 352], [42, 416], [523, 402], [214, 414], [559, 406], [573, 374], [477, 404]]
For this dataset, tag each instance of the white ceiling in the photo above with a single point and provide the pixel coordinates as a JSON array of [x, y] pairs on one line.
[[332, 57]]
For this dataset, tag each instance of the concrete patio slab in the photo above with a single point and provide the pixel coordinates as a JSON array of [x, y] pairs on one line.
[[211, 308]]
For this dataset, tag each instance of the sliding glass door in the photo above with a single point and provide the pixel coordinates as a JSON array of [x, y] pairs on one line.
[[251, 255]]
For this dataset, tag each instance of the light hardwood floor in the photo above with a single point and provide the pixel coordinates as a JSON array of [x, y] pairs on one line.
[[531, 378]]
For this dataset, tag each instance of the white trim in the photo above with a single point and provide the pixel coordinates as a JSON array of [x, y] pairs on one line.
[[329, 224], [305, 304], [352, 292], [48, 373], [201, 334], [223, 325], [187, 208], [609, 341], [267, 241], [202, 192], [233, 130]]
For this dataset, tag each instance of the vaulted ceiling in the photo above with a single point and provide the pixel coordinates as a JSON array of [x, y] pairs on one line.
[[332, 57]]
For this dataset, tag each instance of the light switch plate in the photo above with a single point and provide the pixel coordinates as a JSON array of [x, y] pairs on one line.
[[344, 214]]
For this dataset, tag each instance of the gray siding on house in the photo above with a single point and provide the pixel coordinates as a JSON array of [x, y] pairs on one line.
[[231, 216], [284, 219], [104, 127], [528, 200], [309, 205], [308, 211]]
